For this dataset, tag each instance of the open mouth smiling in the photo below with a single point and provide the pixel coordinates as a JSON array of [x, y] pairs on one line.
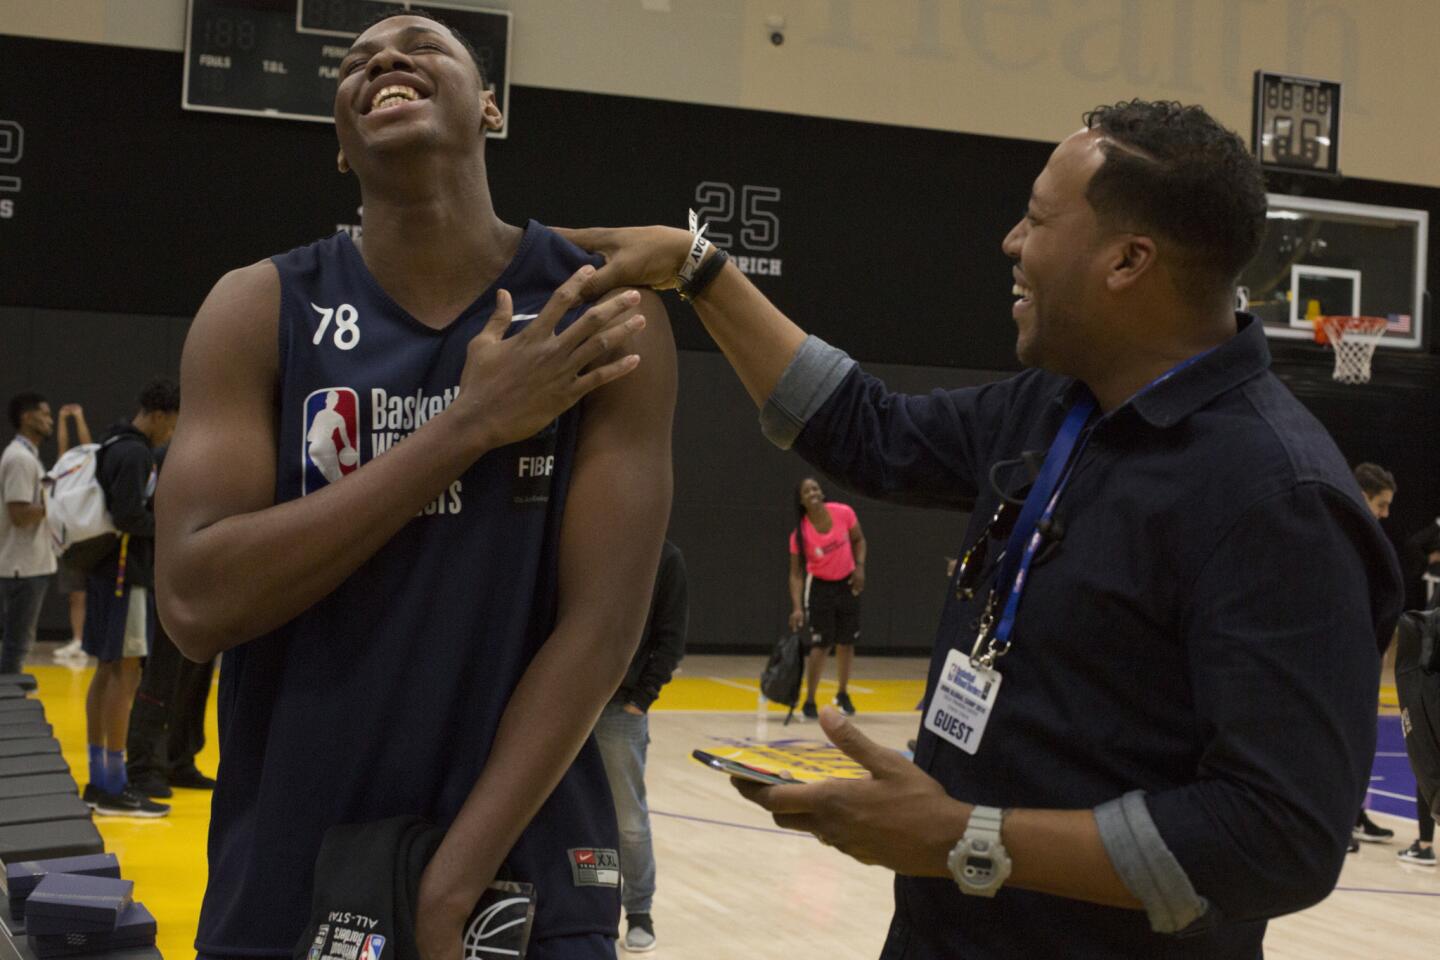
[[393, 95]]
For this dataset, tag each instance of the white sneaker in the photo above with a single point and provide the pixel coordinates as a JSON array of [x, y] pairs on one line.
[[69, 650]]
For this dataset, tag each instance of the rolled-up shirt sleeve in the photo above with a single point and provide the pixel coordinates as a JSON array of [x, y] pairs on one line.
[[1281, 634], [813, 374], [1146, 866]]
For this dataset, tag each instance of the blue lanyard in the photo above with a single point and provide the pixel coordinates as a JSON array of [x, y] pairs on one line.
[[1025, 540], [1039, 507]]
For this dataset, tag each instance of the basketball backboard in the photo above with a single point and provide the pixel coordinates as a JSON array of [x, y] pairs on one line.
[[1327, 257]]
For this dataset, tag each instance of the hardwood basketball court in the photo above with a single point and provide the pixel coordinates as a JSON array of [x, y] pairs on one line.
[[732, 885]]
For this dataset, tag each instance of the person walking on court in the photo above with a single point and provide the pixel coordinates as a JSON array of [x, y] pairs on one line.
[[27, 561], [1378, 486], [71, 430], [430, 624], [167, 721], [827, 576], [1411, 681], [120, 601], [1151, 710], [623, 735]]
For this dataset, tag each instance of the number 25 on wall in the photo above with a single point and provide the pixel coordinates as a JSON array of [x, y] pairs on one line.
[[759, 227]]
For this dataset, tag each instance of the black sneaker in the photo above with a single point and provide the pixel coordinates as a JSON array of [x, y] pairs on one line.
[[809, 711], [1354, 846], [842, 700], [91, 795], [1367, 831], [1423, 856], [128, 803], [640, 937], [151, 785], [191, 779]]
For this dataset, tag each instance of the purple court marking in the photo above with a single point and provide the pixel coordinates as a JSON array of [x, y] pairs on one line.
[[738, 826], [1391, 773]]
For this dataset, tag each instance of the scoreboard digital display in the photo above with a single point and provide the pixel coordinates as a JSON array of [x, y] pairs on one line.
[[1297, 124], [281, 58]]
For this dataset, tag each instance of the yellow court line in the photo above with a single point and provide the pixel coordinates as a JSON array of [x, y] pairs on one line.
[[166, 857], [740, 695]]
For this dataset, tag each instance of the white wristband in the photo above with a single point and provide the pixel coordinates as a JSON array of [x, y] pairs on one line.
[[699, 245]]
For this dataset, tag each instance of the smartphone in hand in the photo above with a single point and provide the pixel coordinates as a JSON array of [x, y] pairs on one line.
[[744, 771]]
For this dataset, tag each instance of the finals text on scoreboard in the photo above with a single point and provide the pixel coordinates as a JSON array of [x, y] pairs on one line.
[[281, 58]]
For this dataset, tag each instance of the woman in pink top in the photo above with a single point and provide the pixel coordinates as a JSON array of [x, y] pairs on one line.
[[825, 592]]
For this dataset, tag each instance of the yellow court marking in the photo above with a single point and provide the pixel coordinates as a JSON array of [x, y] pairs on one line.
[[165, 857], [1389, 699], [741, 694]]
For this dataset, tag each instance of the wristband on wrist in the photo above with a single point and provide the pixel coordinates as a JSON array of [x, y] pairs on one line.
[[698, 246], [708, 271]]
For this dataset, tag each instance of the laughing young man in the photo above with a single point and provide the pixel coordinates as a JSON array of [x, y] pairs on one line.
[[408, 593]]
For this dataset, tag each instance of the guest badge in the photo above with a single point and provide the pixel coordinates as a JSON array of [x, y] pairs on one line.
[[961, 704]]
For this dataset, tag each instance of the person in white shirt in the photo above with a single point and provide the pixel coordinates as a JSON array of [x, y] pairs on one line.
[[26, 559], [71, 430]]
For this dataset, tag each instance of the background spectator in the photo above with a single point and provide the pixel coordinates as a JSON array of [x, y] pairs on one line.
[[26, 559]]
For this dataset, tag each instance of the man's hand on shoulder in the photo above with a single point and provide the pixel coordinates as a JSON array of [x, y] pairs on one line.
[[634, 256]]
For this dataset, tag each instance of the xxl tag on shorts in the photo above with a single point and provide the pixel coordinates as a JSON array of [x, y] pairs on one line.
[[960, 707], [595, 867]]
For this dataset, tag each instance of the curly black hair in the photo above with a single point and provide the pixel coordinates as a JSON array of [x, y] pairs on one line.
[[1172, 169], [463, 40], [160, 396]]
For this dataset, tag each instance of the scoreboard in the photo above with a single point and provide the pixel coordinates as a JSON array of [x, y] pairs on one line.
[[281, 58], [1296, 124]]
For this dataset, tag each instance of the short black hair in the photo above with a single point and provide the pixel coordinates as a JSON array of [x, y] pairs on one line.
[[160, 396], [23, 403], [1186, 178], [1374, 478], [460, 38]]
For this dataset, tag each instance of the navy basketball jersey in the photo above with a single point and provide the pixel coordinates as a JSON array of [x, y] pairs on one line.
[[384, 698]]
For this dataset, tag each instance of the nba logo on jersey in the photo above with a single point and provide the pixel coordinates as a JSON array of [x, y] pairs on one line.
[[330, 446], [371, 948]]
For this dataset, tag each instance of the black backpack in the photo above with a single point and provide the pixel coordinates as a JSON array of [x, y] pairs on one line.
[[780, 680], [1417, 684]]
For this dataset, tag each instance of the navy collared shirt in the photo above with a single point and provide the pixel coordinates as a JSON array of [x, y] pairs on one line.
[[1196, 658]]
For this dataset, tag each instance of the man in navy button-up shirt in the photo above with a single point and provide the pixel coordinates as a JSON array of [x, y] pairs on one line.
[[1187, 717]]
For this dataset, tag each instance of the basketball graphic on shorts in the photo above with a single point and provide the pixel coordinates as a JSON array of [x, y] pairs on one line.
[[348, 457]]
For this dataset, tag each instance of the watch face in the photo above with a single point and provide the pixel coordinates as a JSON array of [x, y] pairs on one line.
[[980, 865]]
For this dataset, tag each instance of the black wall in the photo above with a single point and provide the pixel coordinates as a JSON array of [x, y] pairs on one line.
[[887, 238]]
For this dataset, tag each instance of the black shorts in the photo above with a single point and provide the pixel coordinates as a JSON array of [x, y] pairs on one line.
[[69, 579], [833, 613], [117, 628]]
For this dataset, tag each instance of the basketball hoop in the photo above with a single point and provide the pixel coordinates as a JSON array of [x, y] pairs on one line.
[[1354, 340]]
